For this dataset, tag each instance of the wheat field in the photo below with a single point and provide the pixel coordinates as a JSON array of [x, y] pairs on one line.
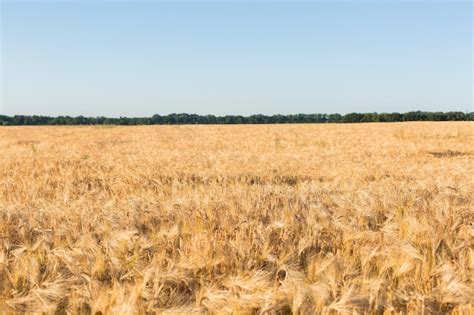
[[244, 219]]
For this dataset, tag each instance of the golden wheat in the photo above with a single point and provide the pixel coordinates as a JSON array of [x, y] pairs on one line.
[[303, 219]]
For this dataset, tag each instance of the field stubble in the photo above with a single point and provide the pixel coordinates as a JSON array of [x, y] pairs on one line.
[[365, 218]]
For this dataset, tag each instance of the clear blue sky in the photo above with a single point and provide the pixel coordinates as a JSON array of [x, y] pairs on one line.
[[132, 58]]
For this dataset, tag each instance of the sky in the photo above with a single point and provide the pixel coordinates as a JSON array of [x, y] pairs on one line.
[[139, 58]]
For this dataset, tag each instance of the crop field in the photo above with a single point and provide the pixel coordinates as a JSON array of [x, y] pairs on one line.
[[241, 219]]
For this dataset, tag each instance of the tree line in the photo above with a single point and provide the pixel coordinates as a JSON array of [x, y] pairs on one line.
[[182, 119]]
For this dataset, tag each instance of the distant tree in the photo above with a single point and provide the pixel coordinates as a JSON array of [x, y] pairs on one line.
[[352, 118], [334, 118]]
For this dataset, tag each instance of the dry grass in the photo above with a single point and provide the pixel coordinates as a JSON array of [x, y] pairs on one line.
[[237, 219]]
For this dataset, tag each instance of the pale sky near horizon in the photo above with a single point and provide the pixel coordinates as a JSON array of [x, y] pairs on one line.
[[138, 58]]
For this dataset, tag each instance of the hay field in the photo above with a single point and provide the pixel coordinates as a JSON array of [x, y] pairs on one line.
[[263, 219]]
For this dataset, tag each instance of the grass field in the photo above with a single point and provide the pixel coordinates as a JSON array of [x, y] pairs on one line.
[[275, 219]]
